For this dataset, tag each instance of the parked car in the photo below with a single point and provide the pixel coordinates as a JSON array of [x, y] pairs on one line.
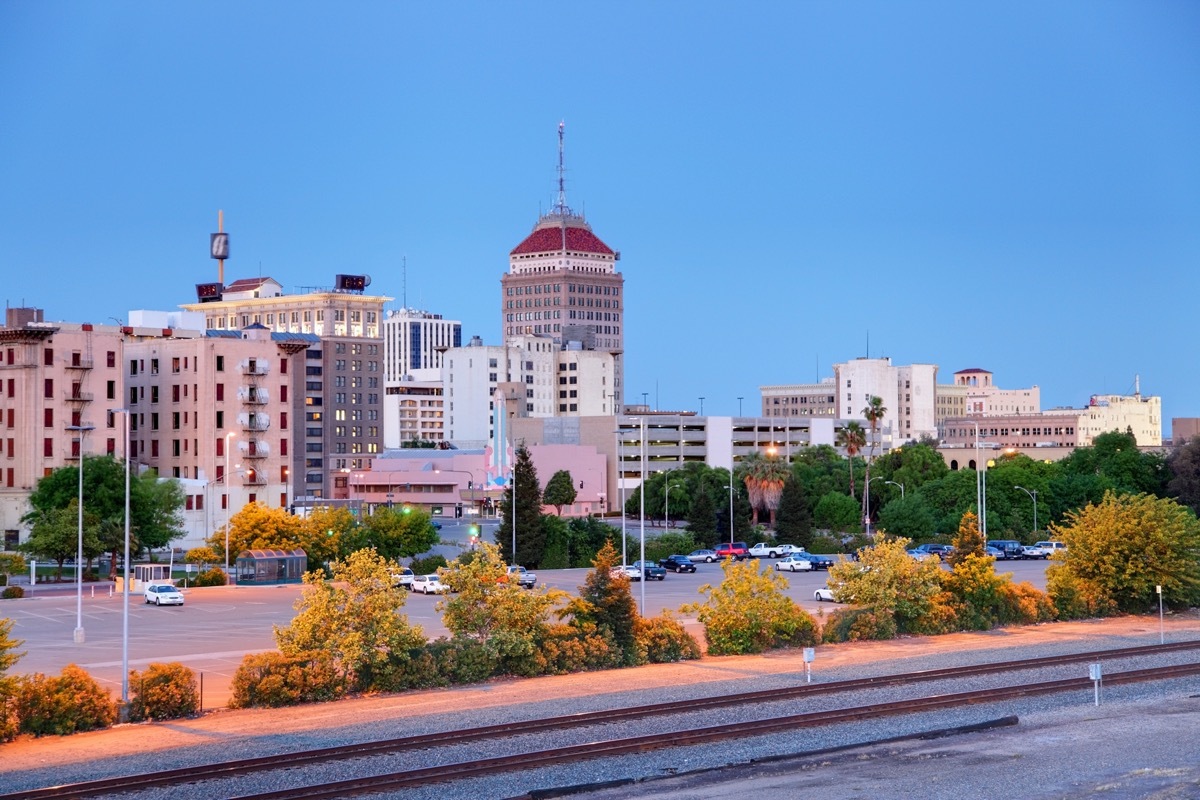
[[942, 551], [705, 555], [993, 552], [764, 550], [677, 564], [1052, 547], [821, 561], [1034, 551], [794, 564], [437, 526], [429, 584], [735, 550], [824, 594], [921, 555], [403, 578], [628, 570], [163, 594], [650, 571], [521, 576], [1009, 548]]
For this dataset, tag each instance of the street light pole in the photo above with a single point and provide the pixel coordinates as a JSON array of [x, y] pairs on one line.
[[731, 501], [621, 483], [228, 499], [702, 405], [79, 633], [1032, 496], [740, 412], [125, 587], [642, 557], [901, 485]]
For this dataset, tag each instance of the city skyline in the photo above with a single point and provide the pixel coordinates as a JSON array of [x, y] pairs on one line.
[[1012, 188]]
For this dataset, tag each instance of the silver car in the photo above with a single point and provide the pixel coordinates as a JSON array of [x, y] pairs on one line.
[[163, 594]]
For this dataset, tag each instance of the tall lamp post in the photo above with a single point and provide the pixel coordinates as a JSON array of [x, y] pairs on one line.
[[470, 479], [125, 587], [228, 443], [731, 502], [620, 480], [79, 633], [642, 557], [901, 485], [1032, 496]]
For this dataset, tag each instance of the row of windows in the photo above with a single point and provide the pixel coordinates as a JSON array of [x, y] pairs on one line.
[[539, 289], [76, 359], [356, 365], [803, 400], [590, 303], [355, 383]]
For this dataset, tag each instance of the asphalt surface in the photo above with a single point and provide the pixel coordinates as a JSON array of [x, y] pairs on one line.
[[218, 626]]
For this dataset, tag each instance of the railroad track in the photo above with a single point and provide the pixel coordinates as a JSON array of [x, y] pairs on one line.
[[636, 744]]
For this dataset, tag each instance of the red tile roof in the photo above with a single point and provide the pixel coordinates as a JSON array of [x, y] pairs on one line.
[[248, 284], [549, 239]]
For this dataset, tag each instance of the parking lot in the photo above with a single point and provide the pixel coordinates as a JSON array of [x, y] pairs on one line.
[[217, 626]]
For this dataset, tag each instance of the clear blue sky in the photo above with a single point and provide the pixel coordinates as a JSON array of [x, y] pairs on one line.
[[1013, 186]]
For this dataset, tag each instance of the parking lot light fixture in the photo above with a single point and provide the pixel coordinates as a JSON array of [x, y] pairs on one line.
[[82, 430]]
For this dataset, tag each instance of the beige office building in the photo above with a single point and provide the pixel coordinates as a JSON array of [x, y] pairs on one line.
[[341, 406]]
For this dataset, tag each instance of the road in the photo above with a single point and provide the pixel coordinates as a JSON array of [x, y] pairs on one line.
[[219, 625]]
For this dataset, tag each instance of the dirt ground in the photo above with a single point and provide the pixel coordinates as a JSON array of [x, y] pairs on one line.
[[231, 726]]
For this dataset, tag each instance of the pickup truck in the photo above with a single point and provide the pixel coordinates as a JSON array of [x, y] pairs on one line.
[[764, 550], [677, 563], [650, 571], [522, 577]]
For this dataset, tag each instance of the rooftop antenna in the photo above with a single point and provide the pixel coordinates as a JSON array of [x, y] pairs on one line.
[[404, 281], [868, 345], [560, 207]]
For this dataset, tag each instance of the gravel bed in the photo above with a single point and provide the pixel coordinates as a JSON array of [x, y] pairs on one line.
[[657, 763]]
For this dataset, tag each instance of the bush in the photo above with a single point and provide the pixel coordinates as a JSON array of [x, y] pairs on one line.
[[211, 577], [662, 639], [427, 565], [666, 544], [568, 648], [163, 691], [463, 659], [1024, 604], [858, 625], [12, 592], [1075, 597], [270, 680], [825, 545], [70, 703], [749, 613]]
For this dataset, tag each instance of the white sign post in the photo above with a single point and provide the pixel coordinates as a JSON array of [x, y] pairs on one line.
[[1097, 676], [809, 655], [1162, 639]]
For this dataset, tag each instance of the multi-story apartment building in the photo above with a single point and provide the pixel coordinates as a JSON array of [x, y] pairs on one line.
[[1062, 427], [538, 376], [562, 283], [60, 386], [908, 394], [982, 397], [342, 402], [214, 409]]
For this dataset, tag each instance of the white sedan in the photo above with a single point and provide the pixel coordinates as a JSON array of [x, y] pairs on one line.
[[824, 593], [794, 564], [428, 584], [628, 570], [163, 594]]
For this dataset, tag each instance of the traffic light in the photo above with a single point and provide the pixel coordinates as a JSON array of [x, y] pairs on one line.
[[407, 509], [474, 530]]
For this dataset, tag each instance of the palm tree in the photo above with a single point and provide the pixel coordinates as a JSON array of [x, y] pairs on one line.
[[873, 414], [851, 439], [764, 476]]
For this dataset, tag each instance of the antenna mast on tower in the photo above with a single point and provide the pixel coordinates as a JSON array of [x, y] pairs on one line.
[[404, 281], [561, 206]]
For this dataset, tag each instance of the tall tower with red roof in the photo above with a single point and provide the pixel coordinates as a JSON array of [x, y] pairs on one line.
[[562, 283]]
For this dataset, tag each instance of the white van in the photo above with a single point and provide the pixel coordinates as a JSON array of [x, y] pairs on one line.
[[1051, 547]]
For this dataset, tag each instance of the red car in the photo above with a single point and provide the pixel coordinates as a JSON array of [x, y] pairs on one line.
[[735, 550]]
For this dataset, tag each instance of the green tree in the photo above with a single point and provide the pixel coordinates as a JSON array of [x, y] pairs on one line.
[[11, 564], [587, 536], [355, 618], [1183, 467], [529, 534], [1115, 458], [559, 491], [557, 535], [908, 516], [397, 532], [605, 605], [1120, 550], [887, 578], [764, 476], [702, 514], [794, 522], [55, 535], [748, 612], [257, 526], [837, 512], [851, 439]]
